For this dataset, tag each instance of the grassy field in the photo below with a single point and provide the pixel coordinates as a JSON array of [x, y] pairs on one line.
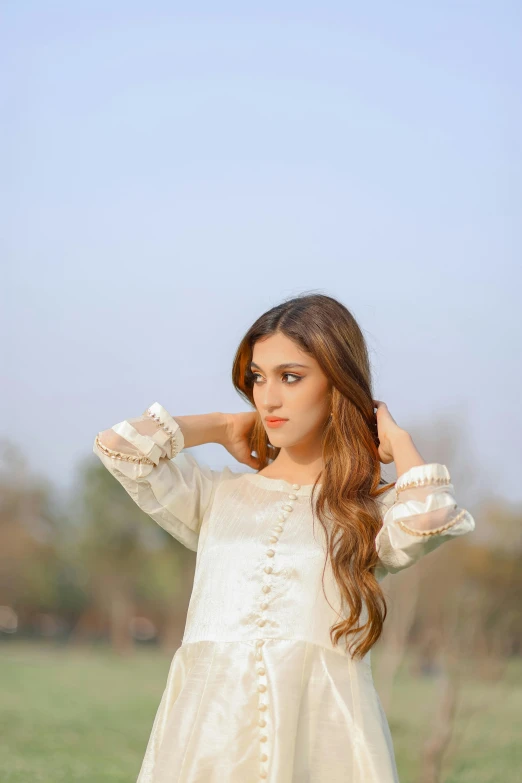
[[86, 715]]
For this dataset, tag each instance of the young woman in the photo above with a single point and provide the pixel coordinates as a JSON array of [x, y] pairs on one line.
[[273, 678]]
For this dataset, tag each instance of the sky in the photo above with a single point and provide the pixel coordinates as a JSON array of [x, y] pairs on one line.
[[170, 174]]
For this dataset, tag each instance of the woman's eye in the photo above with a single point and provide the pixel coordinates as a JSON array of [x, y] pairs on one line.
[[256, 375]]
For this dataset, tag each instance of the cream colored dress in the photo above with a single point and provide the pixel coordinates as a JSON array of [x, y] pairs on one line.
[[256, 691]]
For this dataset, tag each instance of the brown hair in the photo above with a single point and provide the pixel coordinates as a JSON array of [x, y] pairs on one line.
[[351, 478]]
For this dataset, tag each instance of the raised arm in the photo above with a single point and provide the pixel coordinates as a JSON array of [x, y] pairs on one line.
[[419, 514], [145, 454]]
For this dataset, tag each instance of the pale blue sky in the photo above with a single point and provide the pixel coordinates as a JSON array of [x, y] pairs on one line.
[[173, 174]]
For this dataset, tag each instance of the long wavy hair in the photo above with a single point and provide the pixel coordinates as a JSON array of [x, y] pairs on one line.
[[345, 503]]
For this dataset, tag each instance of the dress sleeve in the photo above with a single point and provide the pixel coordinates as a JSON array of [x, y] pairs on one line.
[[145, 454], [419, 514]]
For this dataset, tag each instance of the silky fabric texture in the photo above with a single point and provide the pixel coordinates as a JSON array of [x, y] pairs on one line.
[[256, 690]]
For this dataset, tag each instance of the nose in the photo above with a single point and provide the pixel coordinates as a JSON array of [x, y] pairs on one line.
[[270, 399]]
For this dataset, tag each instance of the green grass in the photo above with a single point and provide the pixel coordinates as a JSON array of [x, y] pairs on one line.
[[486, 745], [86, 715], [76, 715]]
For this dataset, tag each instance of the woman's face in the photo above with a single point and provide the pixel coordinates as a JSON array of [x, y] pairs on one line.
[[298, 391]]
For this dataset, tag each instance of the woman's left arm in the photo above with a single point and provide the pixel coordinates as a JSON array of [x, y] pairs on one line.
[[420, 512]]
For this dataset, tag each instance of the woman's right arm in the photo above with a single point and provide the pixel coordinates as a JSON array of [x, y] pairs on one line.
[[146, 455]]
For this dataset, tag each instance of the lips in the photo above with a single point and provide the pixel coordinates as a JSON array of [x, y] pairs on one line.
[[274, 423], [274, 418]]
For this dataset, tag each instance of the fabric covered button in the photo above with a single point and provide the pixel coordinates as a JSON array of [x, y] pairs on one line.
[[263, 738], [261, 707], [261, 688], [261, 722], [296, 486], [292, 497], [273, 539], [261, 670], [263, 773], [263, 757], [279, 528], [260, 642], [266, 588], [261, 622], [270, 553], [268, 569], [288, 507]]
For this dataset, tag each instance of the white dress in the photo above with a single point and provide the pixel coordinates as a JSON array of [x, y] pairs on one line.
[[256, 691]]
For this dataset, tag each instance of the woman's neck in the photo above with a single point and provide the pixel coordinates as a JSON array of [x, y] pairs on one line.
[[294, 471]]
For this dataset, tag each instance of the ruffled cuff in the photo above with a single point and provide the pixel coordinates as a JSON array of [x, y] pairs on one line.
[[147, 445], [169, 426], [432, 474]]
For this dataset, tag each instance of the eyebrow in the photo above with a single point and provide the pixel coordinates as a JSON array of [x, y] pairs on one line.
[[281, 366]]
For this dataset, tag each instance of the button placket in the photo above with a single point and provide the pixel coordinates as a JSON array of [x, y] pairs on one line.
[[286, 509]]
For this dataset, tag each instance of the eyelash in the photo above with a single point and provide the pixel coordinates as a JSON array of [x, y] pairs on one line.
[[298, 377]]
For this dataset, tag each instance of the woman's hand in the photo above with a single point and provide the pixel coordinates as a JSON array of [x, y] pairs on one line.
[[236, 438], [387, 431]]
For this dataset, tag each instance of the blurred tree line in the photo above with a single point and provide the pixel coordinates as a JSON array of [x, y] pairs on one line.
[[92, 568]]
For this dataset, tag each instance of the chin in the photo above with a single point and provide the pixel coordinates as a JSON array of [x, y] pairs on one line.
[[280, 442], [275, 440]]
